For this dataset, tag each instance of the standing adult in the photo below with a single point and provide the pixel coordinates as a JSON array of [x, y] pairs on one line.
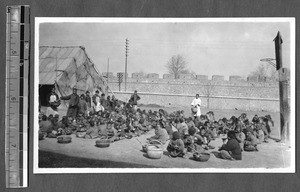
[[82, 105], [54, 102], [73, 103], [103, 102], [96, 102], [114, 102], [134, 99], [196, 103], [96, 97], [88, 101]]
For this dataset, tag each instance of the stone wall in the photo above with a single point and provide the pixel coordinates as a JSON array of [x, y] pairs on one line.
[[192, 89], [177, 100], [245, 94]]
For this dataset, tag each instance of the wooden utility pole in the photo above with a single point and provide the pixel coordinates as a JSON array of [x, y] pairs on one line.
[[283, 90], [120, 79], [107, 69], [126, 54]]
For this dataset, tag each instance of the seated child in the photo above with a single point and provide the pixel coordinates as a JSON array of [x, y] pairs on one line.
[[269, 123], [255, 119], [102, 127], [144, 125], [45, 126], [250, 141], [136, 126], [182, 128], [240, 136], [176, 146], [112, 133], [210, 130], [80, 124], [92, 131], [166, 125], [190, 123], [205, 138], [161, 134], [261, 126], [194, 142], [231, 150], [72, 124]]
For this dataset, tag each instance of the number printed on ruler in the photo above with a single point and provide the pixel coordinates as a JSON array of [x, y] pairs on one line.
[[16, 122]]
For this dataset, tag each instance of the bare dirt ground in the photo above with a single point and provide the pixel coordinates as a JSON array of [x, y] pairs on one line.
[[127, 153]]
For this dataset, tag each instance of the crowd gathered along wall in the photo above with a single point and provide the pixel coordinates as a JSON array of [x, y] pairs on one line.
[[235, 93]]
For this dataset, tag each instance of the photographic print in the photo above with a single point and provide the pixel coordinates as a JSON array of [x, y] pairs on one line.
[[115, 95]]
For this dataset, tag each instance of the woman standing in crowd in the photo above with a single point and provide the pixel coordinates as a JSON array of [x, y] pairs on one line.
[[196, 103]]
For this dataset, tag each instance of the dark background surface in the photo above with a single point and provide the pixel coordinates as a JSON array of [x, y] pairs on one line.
[[147, 182]]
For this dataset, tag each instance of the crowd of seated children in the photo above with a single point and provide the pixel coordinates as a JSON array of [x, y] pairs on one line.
[[120, 121]]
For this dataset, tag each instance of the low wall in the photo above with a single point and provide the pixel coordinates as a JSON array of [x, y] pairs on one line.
[[217, 102]]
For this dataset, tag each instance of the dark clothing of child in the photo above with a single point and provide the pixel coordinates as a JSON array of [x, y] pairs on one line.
[[176, 148], [233, 148]]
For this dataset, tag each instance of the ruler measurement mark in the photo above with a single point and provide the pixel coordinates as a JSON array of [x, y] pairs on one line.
[[17, 45]]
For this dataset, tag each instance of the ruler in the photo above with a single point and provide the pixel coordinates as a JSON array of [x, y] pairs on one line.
[[16, 108]]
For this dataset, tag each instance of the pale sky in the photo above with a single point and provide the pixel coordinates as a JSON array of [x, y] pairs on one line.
[[211, 48]]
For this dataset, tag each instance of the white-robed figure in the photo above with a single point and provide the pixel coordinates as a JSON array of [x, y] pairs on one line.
[[196, 103]]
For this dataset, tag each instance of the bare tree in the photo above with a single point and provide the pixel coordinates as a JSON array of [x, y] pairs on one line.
[[264, 71], [177, 65], [208, 90]]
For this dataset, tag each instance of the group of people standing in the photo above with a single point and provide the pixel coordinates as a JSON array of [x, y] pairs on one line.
[[85, 104]]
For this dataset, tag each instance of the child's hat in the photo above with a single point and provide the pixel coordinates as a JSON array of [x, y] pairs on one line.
[[192, 131], [175, 135]]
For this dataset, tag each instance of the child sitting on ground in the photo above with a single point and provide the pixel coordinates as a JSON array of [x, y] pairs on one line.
[[262, 131], [161, 134], [204, 139], [176, 146], [231, 150], [92, 131], [193, 142], [111, 132], [182, 128], [166, 125], [250, 141], [190, 123], [240, 136], [45, 126]]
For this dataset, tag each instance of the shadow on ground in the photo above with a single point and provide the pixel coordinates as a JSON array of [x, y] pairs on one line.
[[55, 160]]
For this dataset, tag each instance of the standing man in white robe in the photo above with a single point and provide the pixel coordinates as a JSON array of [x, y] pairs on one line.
[[197, 103]]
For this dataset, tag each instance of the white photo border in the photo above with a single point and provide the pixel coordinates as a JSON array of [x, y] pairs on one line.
[[39, 20]]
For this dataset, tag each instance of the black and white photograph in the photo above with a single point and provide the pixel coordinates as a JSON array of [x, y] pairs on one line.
[[164, 95]]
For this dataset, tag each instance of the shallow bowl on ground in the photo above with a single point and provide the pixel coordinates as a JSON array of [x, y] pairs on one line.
[[201, 156], [102, 143], [64, 139], [154, 153], [80, 134], [152, 143]]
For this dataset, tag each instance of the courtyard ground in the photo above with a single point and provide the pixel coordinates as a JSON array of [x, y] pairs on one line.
[[127, 152]]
